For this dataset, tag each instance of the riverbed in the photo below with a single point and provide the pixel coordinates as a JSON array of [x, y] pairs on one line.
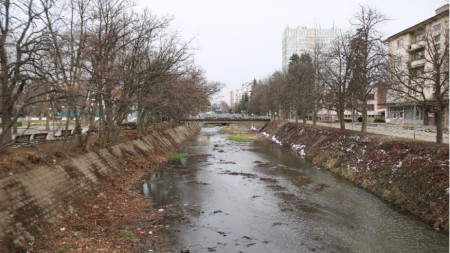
[[255, 197]]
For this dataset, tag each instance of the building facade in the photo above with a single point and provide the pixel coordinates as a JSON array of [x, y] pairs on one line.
[[303, 40], [413, 50], [235, 97]]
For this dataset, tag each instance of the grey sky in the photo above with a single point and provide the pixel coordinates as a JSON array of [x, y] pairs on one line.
[[238, 40]]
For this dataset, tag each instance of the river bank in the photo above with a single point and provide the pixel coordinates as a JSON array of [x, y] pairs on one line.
[[87, 203], [412, 175]]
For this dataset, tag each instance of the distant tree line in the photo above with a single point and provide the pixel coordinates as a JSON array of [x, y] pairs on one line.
[[341, 77], [99, 59]]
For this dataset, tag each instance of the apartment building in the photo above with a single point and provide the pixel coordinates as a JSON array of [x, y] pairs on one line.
[[247, 89], [303, 40], [235, 97], [414, 50]]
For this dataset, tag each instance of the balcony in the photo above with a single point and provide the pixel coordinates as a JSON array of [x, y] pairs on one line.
[[417, 46], [415, 63]]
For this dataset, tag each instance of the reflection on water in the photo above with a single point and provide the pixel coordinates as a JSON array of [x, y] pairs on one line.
[[255, 197]]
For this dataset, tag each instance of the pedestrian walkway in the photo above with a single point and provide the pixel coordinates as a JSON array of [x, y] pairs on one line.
[[425, 133]]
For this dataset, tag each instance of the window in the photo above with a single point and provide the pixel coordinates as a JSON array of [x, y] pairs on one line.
[[400, 43], [437, 27], [370, 96], [395, 113], [411, 92], [437, 38], [419, 37], [418, 55], [419, 72], [437, 47], [400, 59], [370, 107]]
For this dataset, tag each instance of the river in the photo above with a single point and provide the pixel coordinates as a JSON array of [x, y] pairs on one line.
[[255, 197]]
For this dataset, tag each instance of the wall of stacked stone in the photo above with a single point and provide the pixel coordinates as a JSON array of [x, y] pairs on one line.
[[46, 193]]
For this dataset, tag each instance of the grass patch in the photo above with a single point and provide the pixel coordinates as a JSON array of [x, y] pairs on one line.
[[178, 156], [19, 124], [127, 236], [239, 137], [224, 130], [394, 138]]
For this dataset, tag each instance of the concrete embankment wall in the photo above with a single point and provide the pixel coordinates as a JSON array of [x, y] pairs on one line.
[[409, 174], [46, 193]]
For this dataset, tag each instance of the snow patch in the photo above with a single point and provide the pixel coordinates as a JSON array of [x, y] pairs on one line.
[[300, 147], [396, 166], [276, 141]]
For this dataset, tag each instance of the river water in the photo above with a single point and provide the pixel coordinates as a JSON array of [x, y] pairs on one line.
[[255, 197]]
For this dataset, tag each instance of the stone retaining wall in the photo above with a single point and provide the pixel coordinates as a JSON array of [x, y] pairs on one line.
[[46, 193]]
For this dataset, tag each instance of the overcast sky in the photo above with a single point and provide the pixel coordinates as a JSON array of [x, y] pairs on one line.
[[239, 40]]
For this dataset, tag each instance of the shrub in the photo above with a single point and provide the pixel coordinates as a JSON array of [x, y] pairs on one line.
[[380, 121]]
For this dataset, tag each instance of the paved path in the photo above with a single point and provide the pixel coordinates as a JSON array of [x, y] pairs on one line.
[[425, 133]]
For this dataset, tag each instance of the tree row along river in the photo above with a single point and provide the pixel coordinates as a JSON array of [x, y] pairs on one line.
[[255, 197]]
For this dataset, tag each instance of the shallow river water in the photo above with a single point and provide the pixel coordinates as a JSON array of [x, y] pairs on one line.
[[255, 197]]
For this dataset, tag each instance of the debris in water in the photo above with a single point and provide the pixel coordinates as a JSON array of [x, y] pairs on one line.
[[320, 187], [249, 175], [268, 179], [222, 233]]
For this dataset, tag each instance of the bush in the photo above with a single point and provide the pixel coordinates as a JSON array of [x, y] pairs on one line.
[[359, 119], [380, 121]]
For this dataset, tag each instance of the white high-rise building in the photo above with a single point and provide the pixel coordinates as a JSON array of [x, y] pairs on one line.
[[247, 89], [303, 40]]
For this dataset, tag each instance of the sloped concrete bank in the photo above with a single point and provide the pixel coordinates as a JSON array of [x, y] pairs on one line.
[[46, 193], [409, 174]]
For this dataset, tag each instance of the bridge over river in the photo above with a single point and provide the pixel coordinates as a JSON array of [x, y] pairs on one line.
[[225, 121]]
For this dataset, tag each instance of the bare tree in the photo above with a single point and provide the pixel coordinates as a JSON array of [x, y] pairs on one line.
[[224, 107], [258, 103], [369, 56], [21, 47], [337, 74]]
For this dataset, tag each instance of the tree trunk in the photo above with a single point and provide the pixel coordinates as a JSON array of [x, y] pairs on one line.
[[296, 117], [341, 117], [67, 121], [6, 120], [438, 120], [364, 116], [304, 118], [47, 118], [314, 120]]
